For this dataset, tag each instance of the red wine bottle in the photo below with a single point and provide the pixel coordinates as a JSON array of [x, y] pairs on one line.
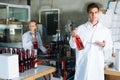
[[21, 62], [28, 59], [18, 51], [8, 50], [33, 59], [35, 43], [13, 51], [0, 50], [25, 60], [79, 43]]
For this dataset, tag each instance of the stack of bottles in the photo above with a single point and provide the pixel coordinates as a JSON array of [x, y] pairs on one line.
[[26, 60]]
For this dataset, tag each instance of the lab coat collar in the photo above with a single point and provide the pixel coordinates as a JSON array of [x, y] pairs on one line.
[[90, 25]]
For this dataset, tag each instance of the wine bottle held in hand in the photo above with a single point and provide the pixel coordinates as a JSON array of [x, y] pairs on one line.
[[79, 43], [35, 43], [77, 39]]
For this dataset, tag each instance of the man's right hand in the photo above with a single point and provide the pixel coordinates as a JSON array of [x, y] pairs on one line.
[[74, 33], [34, 40]]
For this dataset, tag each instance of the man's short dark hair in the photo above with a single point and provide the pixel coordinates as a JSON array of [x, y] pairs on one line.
[[92, 5], [33, 21]]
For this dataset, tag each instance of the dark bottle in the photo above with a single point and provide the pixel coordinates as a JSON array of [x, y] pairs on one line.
[[35, 43], [28, 59], [33, 59], [79, 43], [25, 59], [13, 51], [0, 50], [21, 62], [8, 50], [23, 55], [18, 51]]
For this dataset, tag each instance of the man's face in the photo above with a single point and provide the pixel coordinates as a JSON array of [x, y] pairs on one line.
[[93, 14], [32, 26]]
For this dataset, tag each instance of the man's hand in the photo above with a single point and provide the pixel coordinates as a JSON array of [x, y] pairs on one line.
[[34, 40], [102, 44], [74, 33]]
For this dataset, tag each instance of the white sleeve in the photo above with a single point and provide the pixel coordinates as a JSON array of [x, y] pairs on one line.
[[108, 42], [26, 42], [42, 48], [72, 44]]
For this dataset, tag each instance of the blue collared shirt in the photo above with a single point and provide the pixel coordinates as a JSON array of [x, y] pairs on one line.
[[27, 41]]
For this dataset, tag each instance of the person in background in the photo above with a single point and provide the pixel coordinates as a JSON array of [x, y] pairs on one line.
[[95, 38], [32, 36]]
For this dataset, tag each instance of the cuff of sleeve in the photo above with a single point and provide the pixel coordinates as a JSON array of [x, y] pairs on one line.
[[43, 49]]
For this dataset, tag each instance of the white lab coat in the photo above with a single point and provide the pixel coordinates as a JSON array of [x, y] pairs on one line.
[[27, 41], [90, 60]]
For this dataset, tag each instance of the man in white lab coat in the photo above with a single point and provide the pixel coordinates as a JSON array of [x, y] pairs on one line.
[[31, 36], [95, 38]]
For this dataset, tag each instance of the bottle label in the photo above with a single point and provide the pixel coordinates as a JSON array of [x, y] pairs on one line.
[[35, 44]]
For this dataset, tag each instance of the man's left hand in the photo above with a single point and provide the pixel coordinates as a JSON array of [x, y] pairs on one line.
[[102, 44]]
